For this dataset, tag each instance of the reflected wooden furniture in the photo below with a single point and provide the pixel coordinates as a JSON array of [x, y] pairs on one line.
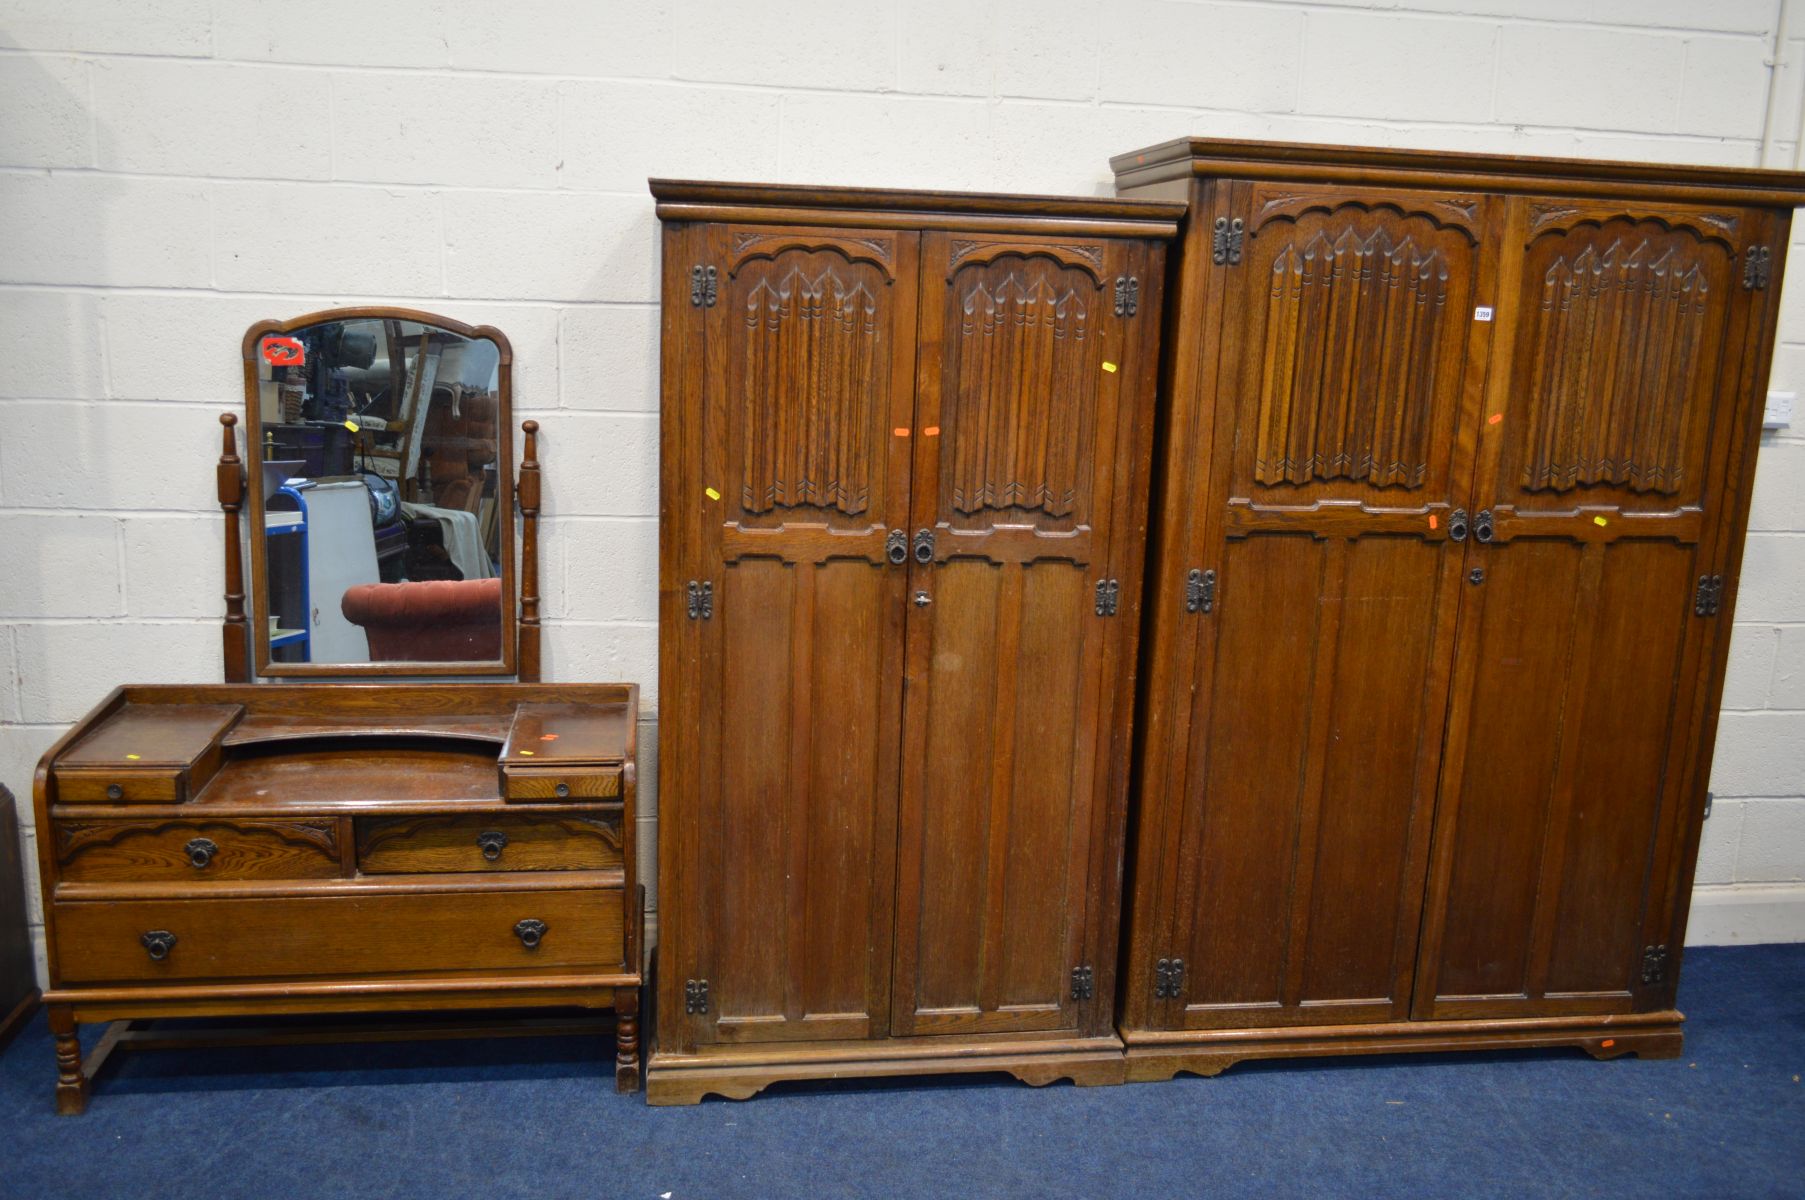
[[358, 848], [18, 968], [1456, 475], [906, 438]]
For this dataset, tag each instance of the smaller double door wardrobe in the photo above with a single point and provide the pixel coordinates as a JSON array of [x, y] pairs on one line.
[[906, 441], [1456, 471]]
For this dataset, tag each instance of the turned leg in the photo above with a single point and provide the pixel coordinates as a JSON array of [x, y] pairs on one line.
[[71, 1084], [626, 1039]]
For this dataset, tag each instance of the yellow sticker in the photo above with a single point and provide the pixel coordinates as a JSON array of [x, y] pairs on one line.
[[1599, 521], [351, 425], [528, 753], [133, 757], [711, 493], [1110, 367]]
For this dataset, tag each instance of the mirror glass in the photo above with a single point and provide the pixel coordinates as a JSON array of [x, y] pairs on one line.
[[381, 493]]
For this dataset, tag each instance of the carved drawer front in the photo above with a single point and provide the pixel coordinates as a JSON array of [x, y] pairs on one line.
[[578, 842], [196, 851], [385, 934], [569, 783]]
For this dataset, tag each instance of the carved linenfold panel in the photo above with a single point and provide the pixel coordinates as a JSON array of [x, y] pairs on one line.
[[1618, 334], [810, 381], [1022, 385], [1351, 355]]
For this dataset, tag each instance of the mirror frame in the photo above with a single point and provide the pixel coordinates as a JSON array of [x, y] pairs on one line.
[[506, 498]]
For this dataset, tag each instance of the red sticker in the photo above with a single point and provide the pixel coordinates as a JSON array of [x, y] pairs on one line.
[[284, 351]]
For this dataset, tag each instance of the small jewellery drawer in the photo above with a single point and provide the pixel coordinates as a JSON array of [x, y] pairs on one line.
[[589, 841], [345, 934], [575, 783], [161, 851], [120, 787]]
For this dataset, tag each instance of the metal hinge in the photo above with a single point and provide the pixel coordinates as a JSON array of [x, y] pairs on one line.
[[1128, 295], [1200, 590], [695, 996], [1225, 240], [1109, 593], [1710, 799], [702, 286], [1709, 596], [1084, 984], [1757, 262], [701, 600], [1654, 964], [1168, 978]]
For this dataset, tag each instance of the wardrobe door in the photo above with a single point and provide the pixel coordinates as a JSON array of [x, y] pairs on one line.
[[1585, 650], [795, 677], [1286, 812], [1029, 447]]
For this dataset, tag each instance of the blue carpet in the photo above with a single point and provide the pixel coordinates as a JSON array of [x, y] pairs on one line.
[[539, 1118]]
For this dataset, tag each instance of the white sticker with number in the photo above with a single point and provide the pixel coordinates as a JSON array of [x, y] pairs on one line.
[[1483, 313]]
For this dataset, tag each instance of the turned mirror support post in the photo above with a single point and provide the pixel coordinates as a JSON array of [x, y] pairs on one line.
[[236, 632], [527, 488]]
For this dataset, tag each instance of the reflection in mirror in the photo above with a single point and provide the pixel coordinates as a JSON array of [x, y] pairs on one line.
[[384, 493]]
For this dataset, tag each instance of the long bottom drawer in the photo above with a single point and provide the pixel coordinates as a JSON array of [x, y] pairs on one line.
[[391, 933]]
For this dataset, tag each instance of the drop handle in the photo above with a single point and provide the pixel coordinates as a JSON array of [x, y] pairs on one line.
[[530, 932], [158, 943], [492, 842], [200, 853]]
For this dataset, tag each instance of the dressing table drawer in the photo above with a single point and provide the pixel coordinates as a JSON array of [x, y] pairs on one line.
[[388, 934], [569, 783], [197, 851], [578, 842]]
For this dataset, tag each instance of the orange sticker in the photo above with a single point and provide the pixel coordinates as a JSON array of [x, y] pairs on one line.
[[1433, 523], [931, 431], [548, 737], [1607, 1043], [900, 432], [1494, 418]]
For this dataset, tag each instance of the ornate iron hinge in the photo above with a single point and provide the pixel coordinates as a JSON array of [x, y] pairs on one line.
[[1757, 262], [1084, 985], [1225, 241], [1200, 591], [1457, 525], [1168, 978], [1128, 295], [1709, 595], [702, 286], [701, 600], [1654, 964], [1109, 593], [695, 996]]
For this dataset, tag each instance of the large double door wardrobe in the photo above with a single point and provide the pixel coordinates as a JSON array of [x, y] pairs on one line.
[[1454, 478], [906, 446]]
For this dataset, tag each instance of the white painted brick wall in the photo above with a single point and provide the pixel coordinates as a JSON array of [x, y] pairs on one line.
[[172, 170]]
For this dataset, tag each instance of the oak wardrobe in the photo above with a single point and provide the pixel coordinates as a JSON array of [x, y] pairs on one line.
[[1455, 475], [906, 439]]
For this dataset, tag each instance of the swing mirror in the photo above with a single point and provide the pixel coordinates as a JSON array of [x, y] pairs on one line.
[[381, 495]]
